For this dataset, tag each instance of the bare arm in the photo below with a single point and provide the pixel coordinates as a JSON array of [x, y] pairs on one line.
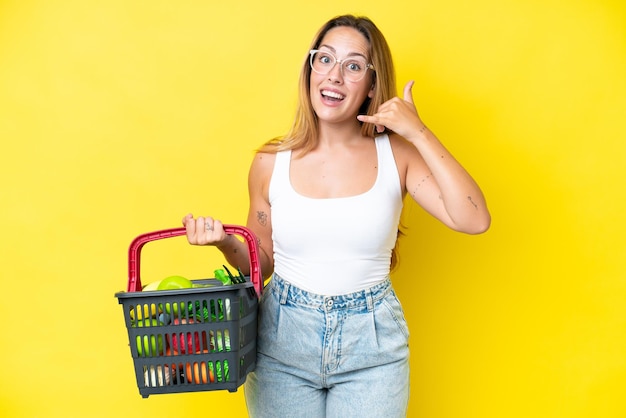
[[434, 178], [259, 213]]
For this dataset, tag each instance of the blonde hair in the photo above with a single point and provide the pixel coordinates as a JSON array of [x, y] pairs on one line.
[[303, 132]]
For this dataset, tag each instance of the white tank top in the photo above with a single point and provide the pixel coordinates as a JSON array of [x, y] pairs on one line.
[[338, 245]]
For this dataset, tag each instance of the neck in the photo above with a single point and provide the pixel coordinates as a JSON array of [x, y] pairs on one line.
[[329, 134]]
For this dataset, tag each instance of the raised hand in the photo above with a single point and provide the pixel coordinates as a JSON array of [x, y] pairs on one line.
[[399, 115]]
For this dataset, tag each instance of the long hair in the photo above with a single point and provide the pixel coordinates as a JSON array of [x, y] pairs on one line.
[[304, 131]]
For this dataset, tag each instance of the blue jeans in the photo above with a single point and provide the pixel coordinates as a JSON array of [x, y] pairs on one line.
[[338, 356]]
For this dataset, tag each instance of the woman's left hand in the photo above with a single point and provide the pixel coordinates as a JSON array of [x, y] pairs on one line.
[[399, 115]]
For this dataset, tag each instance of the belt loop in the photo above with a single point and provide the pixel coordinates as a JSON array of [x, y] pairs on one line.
[[284, 293], [369, 300]]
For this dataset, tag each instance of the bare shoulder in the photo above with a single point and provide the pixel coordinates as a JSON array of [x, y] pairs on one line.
[[401, 146], [262, 164], [404, 153], [260, 174]]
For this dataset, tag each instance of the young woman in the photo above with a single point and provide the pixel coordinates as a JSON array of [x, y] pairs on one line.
[[325, 203]]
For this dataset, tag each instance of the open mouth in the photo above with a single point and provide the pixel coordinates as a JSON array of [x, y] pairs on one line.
[[332, 95]]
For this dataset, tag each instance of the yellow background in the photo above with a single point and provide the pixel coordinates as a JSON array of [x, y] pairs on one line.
[[118, 117]]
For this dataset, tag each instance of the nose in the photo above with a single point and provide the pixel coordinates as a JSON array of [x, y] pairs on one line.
[[335, 74]]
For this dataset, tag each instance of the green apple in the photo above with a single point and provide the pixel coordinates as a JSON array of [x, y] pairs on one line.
[[153, 344], [175, 282]]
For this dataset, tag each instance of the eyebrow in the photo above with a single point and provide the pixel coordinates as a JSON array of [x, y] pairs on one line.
[[351, 54]]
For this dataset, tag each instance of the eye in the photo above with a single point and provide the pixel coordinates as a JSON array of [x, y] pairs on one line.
[[324, 58], [354, 66]]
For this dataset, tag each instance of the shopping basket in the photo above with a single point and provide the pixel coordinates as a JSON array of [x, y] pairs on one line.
[[197, 339]]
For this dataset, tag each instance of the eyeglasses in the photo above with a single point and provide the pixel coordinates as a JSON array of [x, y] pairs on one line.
[[352, 69]]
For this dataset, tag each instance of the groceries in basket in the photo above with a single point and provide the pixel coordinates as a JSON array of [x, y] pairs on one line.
[[156, 343], [192, 335]]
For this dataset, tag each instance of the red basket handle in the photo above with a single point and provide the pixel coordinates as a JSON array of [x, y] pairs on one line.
[[134, 252]]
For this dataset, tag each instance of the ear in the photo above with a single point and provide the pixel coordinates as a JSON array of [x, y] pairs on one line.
[[370, 94]]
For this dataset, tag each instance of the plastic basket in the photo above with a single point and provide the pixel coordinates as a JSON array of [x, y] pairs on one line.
[[191, 340]]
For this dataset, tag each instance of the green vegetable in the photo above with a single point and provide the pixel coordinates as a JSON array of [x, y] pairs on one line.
[[221, 276]]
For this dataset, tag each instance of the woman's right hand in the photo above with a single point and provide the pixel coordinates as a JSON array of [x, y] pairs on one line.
[[204, 230]]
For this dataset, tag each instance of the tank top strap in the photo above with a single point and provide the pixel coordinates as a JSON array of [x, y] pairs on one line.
[[280, 182], [387, 168]]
